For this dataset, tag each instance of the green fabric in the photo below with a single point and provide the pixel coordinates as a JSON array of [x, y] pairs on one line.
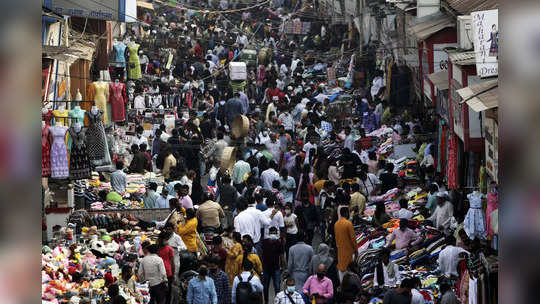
[[420, 154], [114, 197], [267, 154], [482, 183], [386, 117], [106, 238]]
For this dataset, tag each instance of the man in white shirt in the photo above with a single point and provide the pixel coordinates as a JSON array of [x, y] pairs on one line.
[[269, 175], [368, 182], [274, 147], [139, 139], [152, 269], [417, 297], [242, 39], [286, 120], [177, 244], [443, 214], [276, 217], [250, 221], [307, 147], [246, 276], [261, 221], [449, 257], [391, 276], [349, 140]]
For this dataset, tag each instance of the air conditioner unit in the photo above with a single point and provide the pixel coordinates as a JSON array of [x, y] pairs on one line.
[[464, 31]]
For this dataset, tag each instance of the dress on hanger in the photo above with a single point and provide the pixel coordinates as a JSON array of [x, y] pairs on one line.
[[117, 98], [45, 151], [98, 150], [134, 66], [47, 117], [475, 222], [492, 205], [59, 160], [100, 98], [79, 164]]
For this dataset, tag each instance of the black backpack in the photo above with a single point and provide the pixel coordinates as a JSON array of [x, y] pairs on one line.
[[243, 290]]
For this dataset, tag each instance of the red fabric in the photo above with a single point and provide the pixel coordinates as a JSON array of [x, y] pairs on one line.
[[366, 143], [45, 152], [117, 93], [451, 172], [271, 93], [198, 52], [166, 254]]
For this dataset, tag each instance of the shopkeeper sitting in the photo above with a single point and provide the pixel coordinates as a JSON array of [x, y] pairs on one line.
[[119, 178]]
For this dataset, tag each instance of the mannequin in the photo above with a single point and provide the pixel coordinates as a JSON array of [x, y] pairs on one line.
[[101, 97], [78, 97], [134, 66], [77, 127], [118, 99], [59, 159]]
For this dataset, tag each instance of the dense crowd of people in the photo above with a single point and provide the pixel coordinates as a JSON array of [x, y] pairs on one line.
[[282, 215]]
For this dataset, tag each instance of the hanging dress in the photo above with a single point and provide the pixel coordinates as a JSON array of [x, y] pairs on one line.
[[134, 66], [475, 222], [59, 160], [79, 165], [492, 205], [100, 98], [117, 98], [96, 142], [45, 151]]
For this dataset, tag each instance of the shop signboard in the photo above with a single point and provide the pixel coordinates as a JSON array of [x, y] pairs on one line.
[[457, 113], [116, 10], [485, 25]]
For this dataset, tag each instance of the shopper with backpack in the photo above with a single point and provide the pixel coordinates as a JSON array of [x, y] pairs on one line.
[[246, 285]]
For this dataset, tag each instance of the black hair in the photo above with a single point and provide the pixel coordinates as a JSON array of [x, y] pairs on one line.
[[153, 248], [135, 148], [217, 240], [344, 212], [152, 186], [372, 155], [355, 187], [275, 184], [119, 165], [403, 203], [143, 147], [247, 265], [190, 213], [113, 290], [389, 167]]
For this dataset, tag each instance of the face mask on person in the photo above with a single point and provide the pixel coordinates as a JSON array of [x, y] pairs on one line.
[[213, 270], [320, 275], [203, 271], [287, 211], [291, 289], [273, 236]]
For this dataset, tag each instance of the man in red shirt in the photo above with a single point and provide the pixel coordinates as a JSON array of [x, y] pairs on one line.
[[198, 50], [166, 253]]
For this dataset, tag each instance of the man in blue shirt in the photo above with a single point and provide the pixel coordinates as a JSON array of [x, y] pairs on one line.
[[151, 196], [221, 280], [201, 289]]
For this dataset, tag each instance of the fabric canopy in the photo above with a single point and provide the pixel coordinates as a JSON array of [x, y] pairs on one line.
[[482, 96]]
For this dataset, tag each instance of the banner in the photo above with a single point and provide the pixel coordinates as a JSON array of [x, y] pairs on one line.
[[485, 25]]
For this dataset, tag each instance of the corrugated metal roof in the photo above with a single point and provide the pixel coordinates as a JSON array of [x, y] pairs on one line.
[[467, 6], [425, 29], [481, 96], [462, 58], [439, 79]]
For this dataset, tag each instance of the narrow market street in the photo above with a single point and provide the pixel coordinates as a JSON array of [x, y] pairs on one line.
[[270, 151]]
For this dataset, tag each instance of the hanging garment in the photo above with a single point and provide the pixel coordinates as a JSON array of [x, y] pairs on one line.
[[77, 115], [475, 222], [98, 150], [101, 96], [117, 98], [451, 171], [492, 205], [134, 66], [59, 160], [79, 165], [45, 151], [120, 58]]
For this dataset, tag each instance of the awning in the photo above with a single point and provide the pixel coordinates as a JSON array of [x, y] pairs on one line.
[[481, 96], [425, 29], [439, 79], [146, 5], [462, 58]]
